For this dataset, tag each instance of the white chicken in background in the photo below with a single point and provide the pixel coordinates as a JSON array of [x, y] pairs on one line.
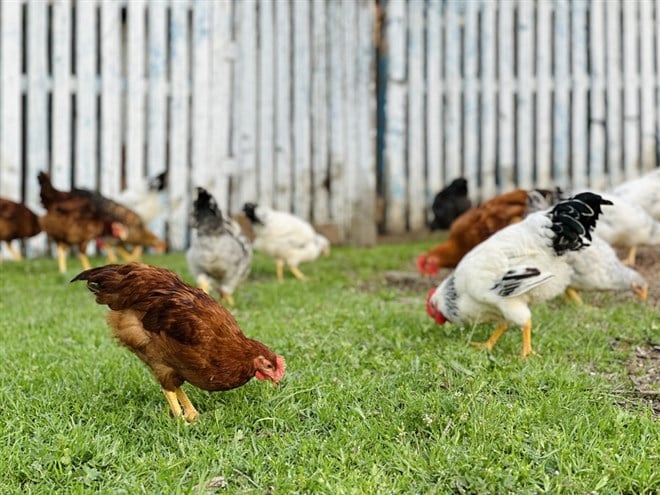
[[520, 265], [220, 256], [597, 267], [643, 191], [286, 238], [145, 198], [625, 224]]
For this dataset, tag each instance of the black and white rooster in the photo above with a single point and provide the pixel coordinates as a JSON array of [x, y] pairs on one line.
[[520, 265], [219, 256]]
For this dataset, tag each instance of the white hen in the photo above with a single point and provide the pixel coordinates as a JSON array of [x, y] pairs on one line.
[[520, 265], [626, 224], [597, 267], [286, 238], [643, 191]]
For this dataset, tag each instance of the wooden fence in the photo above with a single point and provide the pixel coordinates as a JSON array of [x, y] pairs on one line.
[[323, 107]]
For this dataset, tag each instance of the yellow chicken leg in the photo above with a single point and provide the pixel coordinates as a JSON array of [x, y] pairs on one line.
[[189, 411], [125, 255], [573, 295], [112, 256], [297, 273], [136, 255], [527, 340], [61, 257], [632, 256], [172, 400], [279, 270], [492, 340], [84, 260], [16, 254], [228, 298]]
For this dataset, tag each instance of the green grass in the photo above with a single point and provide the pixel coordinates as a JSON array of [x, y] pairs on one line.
[[377, 398]]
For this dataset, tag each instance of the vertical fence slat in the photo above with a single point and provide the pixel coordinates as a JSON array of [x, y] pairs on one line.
[[157, 98], [200, 120], [597, 179], [561, 121], [301, 109], [415, 128], [319, 107], [283, 138], [221, 77], [395, 144], [110, 107], [352, 141], [135, 95], [488, 108], [543, 121], [86, 107], [630, 91], [647, 76], [245, 117], [613, 61], [434, 99], [506, 157], [524, 107], [266, 148], [337, 111], [178, 130], [61, 114], [454, 84], [471, 94], [579, 124]]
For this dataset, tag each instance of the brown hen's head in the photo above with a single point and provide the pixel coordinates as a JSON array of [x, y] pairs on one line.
[[432, 311], [272, 368], [428, 264]]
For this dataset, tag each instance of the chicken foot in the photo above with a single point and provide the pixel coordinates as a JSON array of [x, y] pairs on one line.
[[527, 340], [297, 273], [176, 399], [573, 295], [16, 254], [492, 340], [228, 298], [631, 258]]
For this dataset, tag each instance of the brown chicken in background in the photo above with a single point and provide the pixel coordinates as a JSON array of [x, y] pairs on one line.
[[180, 332], [479, 223], [17, 221], [136, 235], [73, 219]]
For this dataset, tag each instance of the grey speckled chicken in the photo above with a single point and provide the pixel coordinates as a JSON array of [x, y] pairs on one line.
[[220, 256]]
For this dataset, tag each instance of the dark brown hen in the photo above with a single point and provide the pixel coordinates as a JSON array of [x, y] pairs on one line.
[[17, 221]]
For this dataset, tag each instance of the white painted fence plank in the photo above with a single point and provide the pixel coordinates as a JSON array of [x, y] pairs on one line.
[[86, 26], [631, 155], [562, 119], [471, 94], [201, 101], [319, 107], [61, 113], [337, 112], [543, 122], [351, 61], [179, 131], [416, 130], [454, 85], [110, 106], [579, 120], [488, 106], [245, 117], [222, 67], [524, 107], [613, 61], [647, 73], [301, 109], [597, 137], [266, 148], [506, 158], [395, 144], [283, 138], [434, 47], [157, 99], [135, 94]]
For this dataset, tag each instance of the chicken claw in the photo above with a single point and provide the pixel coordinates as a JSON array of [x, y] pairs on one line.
[[492, 340], [228, 298], [631, 258], [527, 340], [573, 295], [189, 411], [175, 407], [297, 273]]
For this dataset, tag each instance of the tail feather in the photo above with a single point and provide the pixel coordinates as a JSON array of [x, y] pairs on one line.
[[250, 210], [574, 219], [207, 216]]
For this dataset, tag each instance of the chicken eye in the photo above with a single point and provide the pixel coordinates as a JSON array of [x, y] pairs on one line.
[[269, 366]]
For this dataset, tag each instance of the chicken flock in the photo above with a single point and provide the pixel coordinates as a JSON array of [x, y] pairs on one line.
[[508, 253]]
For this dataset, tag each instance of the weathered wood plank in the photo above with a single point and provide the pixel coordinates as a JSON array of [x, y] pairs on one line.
[[179, 131], [283, 197], [597, 146], [200, 119], [350, 61], [471, 93], [524, 106], [266, 145], [61, 173], [543, 122], [454, 85], [488, 106], [434, 50], [416, 105], [580, 119], [562, 120], [395, 141], [613, 95], [647, 76], [135, 95], [506, 154], [631, 156], [85, 172]]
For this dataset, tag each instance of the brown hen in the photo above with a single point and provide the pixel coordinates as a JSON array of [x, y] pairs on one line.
[[180, 332], [17, 221]]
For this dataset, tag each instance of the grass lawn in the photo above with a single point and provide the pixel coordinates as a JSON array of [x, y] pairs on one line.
[[377, 398]]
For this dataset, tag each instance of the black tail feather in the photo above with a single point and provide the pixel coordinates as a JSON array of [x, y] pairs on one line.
[[250, 212], [574, 219], [207, 215]]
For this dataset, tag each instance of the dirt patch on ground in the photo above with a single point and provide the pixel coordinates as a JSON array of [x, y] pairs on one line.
[[643, 371]]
